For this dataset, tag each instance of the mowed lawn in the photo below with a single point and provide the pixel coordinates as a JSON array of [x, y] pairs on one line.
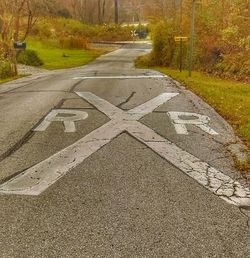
[[231, 99], [59, 58]]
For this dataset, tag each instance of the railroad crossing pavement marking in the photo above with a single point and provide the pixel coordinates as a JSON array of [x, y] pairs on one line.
[[120, 77], [196, 119], [38, 178]]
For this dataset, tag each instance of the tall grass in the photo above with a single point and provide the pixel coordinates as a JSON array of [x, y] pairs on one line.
[[61, 28]]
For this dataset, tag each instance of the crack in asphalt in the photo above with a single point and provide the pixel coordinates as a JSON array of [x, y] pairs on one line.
[[221, 186], [31, 132], [127, 100], [24, 84], [18, 144], [80, 108], [27, 136], [72, 89], [35, 91], [245, 211], [160, 111], [219, 158]]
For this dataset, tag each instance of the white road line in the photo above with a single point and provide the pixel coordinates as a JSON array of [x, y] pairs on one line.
[[37, 179], [120, 77], [104, 106], [214, 180], [136, 113]]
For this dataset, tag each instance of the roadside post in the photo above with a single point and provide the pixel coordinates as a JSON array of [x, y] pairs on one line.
[[181, 40], [16, 47], [133, 33], [191, 42]]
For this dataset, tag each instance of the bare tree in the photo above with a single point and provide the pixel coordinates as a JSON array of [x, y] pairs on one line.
[[101, 10], [116, 12], [16, 19], [11, 13]]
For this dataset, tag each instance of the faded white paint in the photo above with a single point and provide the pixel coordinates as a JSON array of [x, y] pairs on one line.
[[67, 116], [120, 77], [38, 178], [194, 119]]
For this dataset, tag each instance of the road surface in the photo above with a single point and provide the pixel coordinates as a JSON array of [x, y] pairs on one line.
[[111, 161]]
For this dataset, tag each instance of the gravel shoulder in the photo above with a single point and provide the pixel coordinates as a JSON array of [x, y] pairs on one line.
[[28, 70]]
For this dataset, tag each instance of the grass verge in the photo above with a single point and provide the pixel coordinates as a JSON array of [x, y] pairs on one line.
[[12, 78], [231, 99], [54, 57]]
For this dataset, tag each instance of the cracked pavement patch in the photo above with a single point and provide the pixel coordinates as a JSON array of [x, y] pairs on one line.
[[58, 165]]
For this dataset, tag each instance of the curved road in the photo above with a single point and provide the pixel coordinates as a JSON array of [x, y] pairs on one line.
[[107, 160]]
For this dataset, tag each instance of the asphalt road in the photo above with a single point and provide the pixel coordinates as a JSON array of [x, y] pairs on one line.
[[143, 172]]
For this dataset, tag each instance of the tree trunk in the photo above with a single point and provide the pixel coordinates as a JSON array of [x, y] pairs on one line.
[[103, 9], [99, 12], [16, 36], [14, 61], [116, 12]]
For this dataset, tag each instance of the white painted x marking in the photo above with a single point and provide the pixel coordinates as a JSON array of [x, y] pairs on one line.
[[38, 178]]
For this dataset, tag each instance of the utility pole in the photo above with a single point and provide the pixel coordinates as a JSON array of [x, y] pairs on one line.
[[191, 46], [116, 12]]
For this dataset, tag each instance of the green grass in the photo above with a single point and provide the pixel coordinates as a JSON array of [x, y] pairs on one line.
[[59, 58], [231, 99]]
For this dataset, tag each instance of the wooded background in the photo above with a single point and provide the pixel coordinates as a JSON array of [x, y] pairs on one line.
[[222, 34]]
